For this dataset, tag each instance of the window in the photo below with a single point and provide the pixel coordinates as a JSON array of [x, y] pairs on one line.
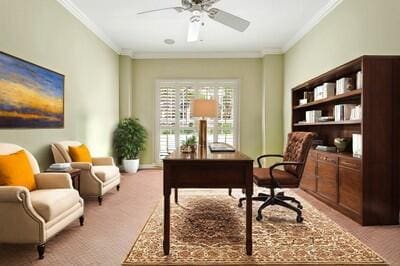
[[174, 122]]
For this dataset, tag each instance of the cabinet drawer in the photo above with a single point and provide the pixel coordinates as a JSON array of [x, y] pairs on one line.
[[350, 189], [350, 163], [327, 184], [327, 158]]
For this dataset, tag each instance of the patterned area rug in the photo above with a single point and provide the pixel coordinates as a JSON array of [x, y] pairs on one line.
[[210, 230]]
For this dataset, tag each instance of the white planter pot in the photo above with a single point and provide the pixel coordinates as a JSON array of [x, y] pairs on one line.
[[131, 166]]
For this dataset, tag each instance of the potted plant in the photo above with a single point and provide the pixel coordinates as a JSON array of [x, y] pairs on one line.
[[129, 140], [189, 145]]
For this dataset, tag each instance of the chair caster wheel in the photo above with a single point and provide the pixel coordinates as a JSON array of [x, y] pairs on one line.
[[299, 219], [300, 206], [259, 218], [240, 205]]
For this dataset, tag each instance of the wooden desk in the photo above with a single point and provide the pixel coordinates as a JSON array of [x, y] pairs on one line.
[[205, 169]]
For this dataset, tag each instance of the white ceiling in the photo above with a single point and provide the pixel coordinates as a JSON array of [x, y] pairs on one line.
[[275, 25]]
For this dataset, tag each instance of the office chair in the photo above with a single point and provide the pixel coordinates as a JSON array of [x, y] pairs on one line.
[[294, 158]]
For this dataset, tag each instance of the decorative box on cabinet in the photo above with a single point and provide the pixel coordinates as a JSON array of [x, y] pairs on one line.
[[366, 189]]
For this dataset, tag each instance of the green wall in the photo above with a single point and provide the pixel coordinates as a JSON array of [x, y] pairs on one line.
[[249, 71], [272, 126], [43, 32], [354, 28]]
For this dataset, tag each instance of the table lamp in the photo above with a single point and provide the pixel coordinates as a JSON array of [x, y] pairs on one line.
[[204, 109]]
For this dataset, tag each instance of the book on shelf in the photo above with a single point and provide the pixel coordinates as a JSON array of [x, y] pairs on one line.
[[344, 85], [359, 83], [313, 116], [357, 144], [342, 112], [356, 113], [326, 148], [324, 91]]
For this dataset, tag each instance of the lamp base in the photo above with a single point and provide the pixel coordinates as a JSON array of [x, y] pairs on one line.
[[203, 133]]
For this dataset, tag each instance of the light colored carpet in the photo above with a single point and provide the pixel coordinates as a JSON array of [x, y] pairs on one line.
[[209, 230]]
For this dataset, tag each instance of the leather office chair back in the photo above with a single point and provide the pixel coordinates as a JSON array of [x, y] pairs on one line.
[[297, 148]]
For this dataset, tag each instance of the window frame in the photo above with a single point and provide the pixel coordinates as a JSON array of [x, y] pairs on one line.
[[197, 84]]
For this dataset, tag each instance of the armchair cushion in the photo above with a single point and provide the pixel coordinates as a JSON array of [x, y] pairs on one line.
[[16, 170], [49, 203], [106, 172], [80, 153], [263, 179]]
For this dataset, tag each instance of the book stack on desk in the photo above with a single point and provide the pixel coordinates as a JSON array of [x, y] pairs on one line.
[[59, 167]]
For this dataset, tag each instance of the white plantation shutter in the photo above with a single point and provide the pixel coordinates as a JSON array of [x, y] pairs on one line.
[[174, 121]]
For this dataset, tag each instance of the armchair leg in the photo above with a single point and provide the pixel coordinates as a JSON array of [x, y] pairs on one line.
[[118, 187], [40, 250], [100, 199], [82, 220]]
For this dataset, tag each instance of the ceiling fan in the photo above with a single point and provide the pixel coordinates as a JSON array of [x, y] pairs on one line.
[[197, 8]]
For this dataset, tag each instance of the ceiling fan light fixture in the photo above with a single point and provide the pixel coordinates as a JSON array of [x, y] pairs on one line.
[[194, 29]]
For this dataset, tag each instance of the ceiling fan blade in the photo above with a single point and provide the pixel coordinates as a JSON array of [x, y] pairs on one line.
[[228, 19], [177, 9], [194, 29]]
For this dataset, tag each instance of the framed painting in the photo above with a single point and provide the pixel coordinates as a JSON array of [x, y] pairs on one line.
[[31, 96]]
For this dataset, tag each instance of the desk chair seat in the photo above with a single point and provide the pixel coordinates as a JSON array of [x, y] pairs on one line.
[[262, 178], [299, 144]]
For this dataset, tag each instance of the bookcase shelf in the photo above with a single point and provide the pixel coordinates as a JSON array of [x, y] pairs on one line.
[[366, 189], [332, 99], [332, 123]]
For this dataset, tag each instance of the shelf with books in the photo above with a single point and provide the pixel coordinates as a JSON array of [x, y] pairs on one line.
[[336, 98], [331, 123]]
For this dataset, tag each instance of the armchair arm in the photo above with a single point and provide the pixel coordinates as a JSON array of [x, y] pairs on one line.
[[103, 161], [13, 193], [53, 180], [81, 166], [267, 156]]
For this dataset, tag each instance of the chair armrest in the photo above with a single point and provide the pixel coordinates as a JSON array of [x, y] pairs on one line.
[[13, 193], [271, 169], [103, 161], [81, 166], [53, 180], [267, 156]]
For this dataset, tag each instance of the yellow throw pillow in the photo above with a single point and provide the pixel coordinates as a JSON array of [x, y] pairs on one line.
[[80, 154], [16, 170]]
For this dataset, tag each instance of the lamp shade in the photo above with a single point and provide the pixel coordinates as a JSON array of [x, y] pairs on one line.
[[204, 108]]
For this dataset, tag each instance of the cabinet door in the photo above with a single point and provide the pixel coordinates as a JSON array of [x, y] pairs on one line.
[[309, 178], [327, 185], [350, 192]]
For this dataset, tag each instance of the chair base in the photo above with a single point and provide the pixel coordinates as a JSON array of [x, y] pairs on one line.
[[278, 199]]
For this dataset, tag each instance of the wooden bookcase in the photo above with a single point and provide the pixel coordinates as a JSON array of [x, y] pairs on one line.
[[366, 188]]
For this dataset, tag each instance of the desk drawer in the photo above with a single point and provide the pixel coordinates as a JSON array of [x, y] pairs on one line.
[[350, 163], [210, 176]]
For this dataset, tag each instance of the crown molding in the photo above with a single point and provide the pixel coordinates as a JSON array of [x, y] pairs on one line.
[[80, 15], [268, 51], [311, 24], [221, 55]]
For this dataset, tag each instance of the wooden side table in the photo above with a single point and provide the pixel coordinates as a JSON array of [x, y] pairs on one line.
[[75, 176]]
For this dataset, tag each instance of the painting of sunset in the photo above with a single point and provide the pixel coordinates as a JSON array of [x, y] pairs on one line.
[[30, 96]]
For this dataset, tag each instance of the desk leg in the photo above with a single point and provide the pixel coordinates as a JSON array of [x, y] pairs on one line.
[[166, 221], [176, 195], [249, 241], [230, 192]]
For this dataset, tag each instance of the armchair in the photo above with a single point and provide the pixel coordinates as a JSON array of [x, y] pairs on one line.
[[97, 178], [299, 144], [36, 216]]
